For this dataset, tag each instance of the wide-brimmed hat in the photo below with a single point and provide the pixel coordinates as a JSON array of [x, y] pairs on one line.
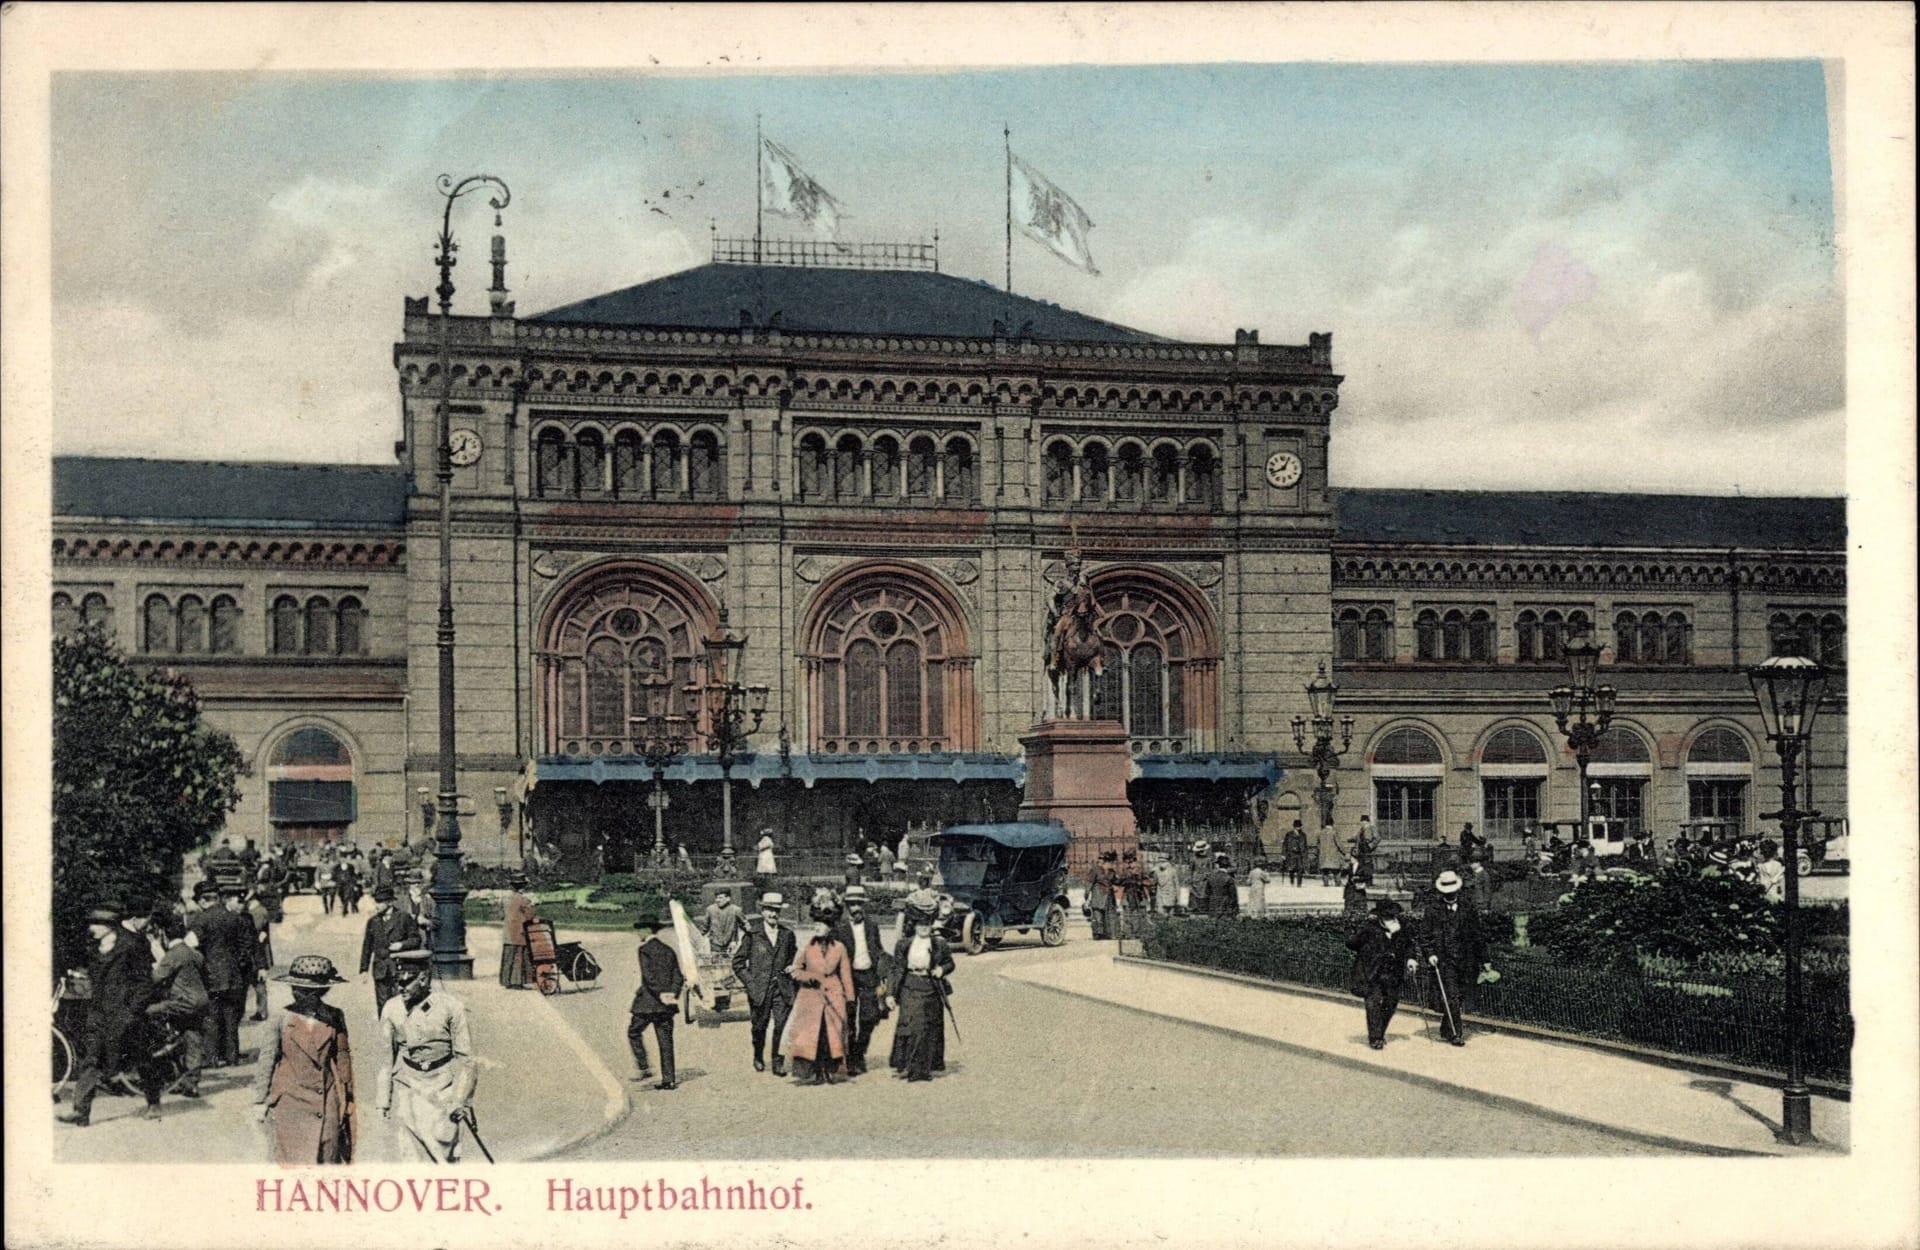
[[773, 898], [1386, 908], [853, 859], [1201, 848], [1447, 882], [854, 894], [312, 972], [104, 914], [923, 904]]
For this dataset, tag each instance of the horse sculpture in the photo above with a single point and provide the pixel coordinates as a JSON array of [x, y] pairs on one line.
[[1074, 645]]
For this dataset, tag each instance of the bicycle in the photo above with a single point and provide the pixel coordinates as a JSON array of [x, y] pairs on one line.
[[167, 1053]]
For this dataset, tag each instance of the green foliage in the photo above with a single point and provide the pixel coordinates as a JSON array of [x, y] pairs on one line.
[[138, 782], [1506, 870], [1678, 914]]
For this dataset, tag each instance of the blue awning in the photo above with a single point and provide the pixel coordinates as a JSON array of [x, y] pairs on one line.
[[1013, 833], [1262, 767]]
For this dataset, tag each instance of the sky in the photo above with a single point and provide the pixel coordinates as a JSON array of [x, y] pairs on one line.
[[1599, 276]]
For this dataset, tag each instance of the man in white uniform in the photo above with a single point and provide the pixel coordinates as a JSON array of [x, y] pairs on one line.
[[428, 1081]]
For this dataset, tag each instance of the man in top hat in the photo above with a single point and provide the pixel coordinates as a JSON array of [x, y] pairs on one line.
[[1223, 893], [1293, 854], [1450, 939], [765, 953], [722, 922], [389, 932], [1382, 957], [120, 969], [516, 957], [229, 943], [427, 1086], [304, 1080], [658, 998], [180, 990], [867, 957]]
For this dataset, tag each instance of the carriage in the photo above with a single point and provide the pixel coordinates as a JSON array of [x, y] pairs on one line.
[[555, 962], [1001, 877]]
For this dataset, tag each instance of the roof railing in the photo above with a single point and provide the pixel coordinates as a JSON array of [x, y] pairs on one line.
[[827, 254]]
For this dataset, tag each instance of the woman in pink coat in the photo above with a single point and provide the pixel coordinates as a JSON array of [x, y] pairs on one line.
[[304, 1081], [816, 1032]]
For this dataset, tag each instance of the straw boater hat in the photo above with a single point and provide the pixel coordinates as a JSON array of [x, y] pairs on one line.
[[1201, 848], [312, 972], [854, 859], [1447, 882], [772, 898], [855, 894]]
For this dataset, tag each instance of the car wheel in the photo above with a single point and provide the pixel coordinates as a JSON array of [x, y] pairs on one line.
[[972, 938], [1054, 932]]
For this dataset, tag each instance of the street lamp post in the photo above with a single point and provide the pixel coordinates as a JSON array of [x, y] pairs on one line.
[[729, 706], [450, 958], [1321, 693], [1571, 703], [660, 736], [1788, 689]]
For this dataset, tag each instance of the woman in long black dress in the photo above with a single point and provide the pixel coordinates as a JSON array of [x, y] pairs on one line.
[[922, 962]]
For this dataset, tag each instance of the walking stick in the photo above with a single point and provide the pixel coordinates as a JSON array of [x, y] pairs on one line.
[[1445, 1003], [465, 1116], [948, 1004]]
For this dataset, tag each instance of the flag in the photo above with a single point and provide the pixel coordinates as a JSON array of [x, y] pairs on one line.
[[1049, 217], [790, 191]]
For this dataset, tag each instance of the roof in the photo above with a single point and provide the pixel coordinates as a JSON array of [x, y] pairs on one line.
[[1021, 834], [1588, 519], [849, 301], [218, 492]]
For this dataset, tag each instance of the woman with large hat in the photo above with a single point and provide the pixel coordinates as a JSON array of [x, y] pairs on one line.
[[922, 962], [516, 958], [304, 1082], [816, 1033]]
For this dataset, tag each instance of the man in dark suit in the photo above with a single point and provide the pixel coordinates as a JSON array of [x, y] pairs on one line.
[[658, 999], [1451, 944], [389, 931], [228, 942], [1223, 893], [121, 972], [761, 962], [860, 934], [1382, 957]]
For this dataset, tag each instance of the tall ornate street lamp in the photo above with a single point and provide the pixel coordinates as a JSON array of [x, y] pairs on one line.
[[1320, 699], [660, 735], [450, 958], [1788, 689], [729, 706], [1572, 703]]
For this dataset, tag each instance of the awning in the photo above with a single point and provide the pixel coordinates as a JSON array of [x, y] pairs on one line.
[[1247, 766], [953, 766]]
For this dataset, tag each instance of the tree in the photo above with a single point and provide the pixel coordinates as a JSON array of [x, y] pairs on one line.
[[138, 781]]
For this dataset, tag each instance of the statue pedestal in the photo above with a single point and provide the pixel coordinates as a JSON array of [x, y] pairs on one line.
[[1077, 774]]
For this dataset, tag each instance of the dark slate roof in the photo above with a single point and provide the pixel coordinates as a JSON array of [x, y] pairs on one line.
[[1588, 519], [848, 301], [290, 495]]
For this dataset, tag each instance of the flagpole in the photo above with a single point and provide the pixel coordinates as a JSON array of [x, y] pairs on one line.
[[759, 193], [1006, 134]]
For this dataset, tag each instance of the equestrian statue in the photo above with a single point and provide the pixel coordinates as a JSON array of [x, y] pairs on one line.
[[1073, 639]]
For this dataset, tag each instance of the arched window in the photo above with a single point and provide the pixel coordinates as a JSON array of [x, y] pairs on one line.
[[224, 634], [1513, 745], [960, 484], [608, 638], [1129, 474], [1146, 691], [1833, 641], [1482, 646], [1094, 475], [1719, 745], [1679, 639], [920, 468], [1057, 474], [1620, 746], [286, 626], [156, 626], [1426, 635], [706, 469], [191, 625], [846, 468], [1626, 639], [590, 459], [550, 463], [629, 465], [310, 784], [1407, 746], [666, 465], [66, 617], [1453, 635], [813, 470], [351, 636], [1526, 637], [1160, 677], [95, 609], [1203, 477], [1719, 772], [1579, 625], [880, 672], [1553, 636], [1163, 475], [884, 467], [1653, 639], [1348, 635], [319, 626]]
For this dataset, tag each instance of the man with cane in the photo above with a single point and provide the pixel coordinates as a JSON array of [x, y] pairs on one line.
[[1450, 942]]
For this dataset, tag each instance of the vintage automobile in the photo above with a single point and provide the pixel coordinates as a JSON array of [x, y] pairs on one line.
[[1826, 838], [1001, 877]]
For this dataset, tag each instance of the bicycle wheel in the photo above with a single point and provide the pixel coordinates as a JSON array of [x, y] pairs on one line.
[[63, 1062]]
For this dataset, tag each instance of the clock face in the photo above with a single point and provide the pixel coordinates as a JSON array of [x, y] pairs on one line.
[[465, 445], [1283, 469]]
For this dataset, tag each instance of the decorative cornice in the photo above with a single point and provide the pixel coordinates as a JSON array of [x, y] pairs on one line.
[[128, 548], [1378, 568]]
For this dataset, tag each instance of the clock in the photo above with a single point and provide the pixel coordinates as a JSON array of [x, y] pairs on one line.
[[465, 447], [1283, 469]]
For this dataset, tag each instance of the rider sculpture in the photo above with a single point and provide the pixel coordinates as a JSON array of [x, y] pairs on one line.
[[1073, 641]]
